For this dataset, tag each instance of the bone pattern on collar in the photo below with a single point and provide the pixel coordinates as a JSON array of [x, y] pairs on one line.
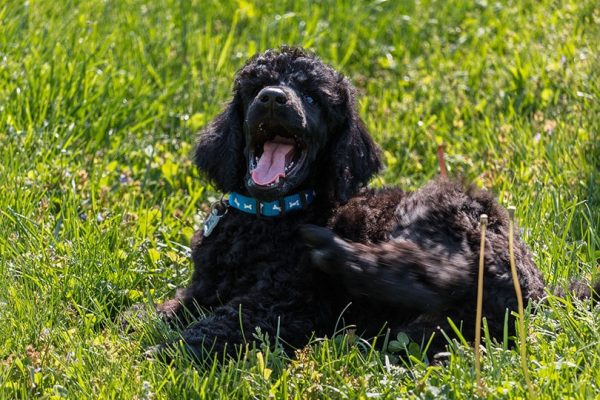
[[294, 202]]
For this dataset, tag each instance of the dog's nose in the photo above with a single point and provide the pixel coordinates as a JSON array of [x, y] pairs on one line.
[[272, 95]]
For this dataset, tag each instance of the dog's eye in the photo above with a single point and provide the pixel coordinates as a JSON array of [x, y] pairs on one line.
[[309, 99]]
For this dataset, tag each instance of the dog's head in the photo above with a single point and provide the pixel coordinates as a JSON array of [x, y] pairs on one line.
[[292, 125]]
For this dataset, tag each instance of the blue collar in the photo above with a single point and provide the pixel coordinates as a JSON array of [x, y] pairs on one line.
[[295, 202]]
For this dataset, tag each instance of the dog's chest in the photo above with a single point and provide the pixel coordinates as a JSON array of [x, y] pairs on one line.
[[243, 248]]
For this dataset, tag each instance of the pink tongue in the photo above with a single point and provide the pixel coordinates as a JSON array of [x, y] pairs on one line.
[[271, 165]]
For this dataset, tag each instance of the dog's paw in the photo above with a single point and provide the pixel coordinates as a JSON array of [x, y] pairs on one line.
[[168, 352], [169, 311], [327, 250]]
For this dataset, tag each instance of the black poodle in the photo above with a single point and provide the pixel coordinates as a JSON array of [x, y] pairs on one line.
[[300, 242]]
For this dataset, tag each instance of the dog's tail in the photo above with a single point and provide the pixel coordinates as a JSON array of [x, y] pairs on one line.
[[580, 289]]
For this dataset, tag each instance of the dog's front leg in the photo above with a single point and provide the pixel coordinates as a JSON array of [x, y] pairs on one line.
[[215, 335], [232, 326]]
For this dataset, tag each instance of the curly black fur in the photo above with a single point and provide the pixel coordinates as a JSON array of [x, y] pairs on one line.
[[408, 260]]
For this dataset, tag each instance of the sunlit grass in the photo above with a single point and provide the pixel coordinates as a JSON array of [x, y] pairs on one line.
[[99, 104]]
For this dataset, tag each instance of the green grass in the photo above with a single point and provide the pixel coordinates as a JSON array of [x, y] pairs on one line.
[[99, 105]]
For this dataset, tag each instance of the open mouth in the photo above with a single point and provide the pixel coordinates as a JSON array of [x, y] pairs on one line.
[[276, 159]]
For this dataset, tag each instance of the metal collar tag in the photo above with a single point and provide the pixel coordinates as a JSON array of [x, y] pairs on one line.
[[217, 211]]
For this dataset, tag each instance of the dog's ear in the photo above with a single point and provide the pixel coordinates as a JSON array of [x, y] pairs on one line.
[[220, 149], [353, 155]]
